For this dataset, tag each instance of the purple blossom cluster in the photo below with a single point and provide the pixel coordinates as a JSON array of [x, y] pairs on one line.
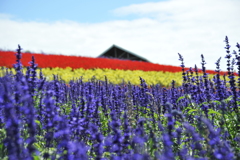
[[42, 119]]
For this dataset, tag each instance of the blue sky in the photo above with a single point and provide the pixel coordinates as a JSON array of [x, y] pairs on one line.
[[83, 11], [156, 30]]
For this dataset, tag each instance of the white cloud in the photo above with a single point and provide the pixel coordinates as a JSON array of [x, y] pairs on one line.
[[161, 30]]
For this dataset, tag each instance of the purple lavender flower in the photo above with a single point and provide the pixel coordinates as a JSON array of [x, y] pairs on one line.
[[13, 141], [18, 65], [218, 83], [196, 146], [168, 151], [127, 133], [62, 136], [183, 69], [97, 140], [227, 45], [231, 76], [206, 82], [32, 80], [219, 148], [78, 151], [49, 122], [139, 138]]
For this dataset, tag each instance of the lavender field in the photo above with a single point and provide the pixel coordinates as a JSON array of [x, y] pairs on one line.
[[43, 119]]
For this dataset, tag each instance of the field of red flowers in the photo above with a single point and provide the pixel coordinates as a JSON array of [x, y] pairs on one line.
[[62, 61]]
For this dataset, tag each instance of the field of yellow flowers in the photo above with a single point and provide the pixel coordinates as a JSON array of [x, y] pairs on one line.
[[116, 71]]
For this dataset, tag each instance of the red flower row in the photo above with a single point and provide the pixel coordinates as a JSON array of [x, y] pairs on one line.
[[7, 58]]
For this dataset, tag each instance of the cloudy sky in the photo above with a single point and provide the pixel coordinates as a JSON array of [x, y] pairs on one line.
[[155, 29]]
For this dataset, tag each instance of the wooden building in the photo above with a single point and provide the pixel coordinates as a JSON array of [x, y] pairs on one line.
[[117, 52]]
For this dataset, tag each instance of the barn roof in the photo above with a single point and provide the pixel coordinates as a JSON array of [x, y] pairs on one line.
[[117, 52]]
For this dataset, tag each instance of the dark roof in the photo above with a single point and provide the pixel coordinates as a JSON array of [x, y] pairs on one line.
[[117, 52]]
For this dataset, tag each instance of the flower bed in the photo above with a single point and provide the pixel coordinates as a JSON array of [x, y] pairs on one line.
[[47, 119]]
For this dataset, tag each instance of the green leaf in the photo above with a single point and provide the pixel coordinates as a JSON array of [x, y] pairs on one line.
[[188, 96], [187, 108], [39, 123], [36, 158], [106, 154], [192, 104], [210, 111], [218, 102], [191, 111], [180, 98], [37, 146], [228, 99], [178, 123]]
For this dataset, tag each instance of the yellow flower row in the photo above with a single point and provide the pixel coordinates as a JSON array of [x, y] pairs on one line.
[[113, 76]]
